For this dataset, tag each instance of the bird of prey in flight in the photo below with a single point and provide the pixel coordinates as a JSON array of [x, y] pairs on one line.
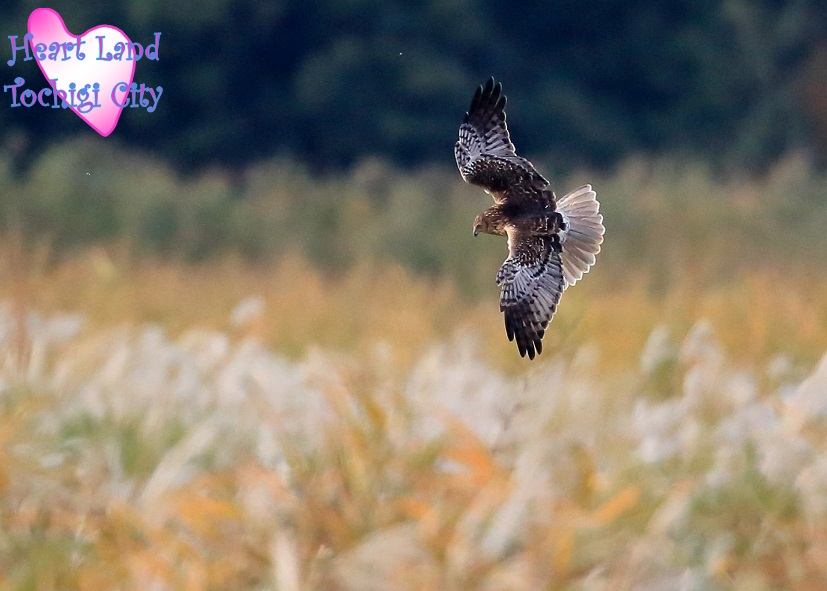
[[551, 242]]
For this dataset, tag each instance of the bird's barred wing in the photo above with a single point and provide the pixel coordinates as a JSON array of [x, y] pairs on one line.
[[531, 284], [484, 153]]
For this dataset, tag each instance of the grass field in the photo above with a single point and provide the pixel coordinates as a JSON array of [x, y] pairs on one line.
[[303, 383]]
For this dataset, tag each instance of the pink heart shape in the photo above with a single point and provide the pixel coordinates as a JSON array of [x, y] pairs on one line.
[[47, 27]]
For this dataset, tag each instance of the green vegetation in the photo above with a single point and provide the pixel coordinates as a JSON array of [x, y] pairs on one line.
[[667, 220], [680, 245]]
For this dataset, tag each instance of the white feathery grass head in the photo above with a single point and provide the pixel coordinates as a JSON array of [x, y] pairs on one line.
[[348, 472]]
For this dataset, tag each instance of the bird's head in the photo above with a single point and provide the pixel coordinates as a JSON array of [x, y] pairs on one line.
[[479, 225], [489, 222]]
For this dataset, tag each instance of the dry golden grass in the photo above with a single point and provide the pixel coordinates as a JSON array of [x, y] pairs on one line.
[[296, 425], [134, 460], [754, 314]]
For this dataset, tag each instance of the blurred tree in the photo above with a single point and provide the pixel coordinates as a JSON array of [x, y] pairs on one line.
[[333, 81]]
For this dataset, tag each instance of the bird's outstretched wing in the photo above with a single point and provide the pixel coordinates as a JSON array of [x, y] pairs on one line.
[[484, 153], [531, 284]]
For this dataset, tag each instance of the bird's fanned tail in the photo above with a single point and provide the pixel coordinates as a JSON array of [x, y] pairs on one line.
[[583, 234]]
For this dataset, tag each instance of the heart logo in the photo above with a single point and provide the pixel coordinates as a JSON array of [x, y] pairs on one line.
[[70, 63]]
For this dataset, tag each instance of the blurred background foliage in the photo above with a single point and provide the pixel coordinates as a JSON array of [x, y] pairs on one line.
[[736, 83], [322, 133], [283, 365], [378, 251], [666, 218]]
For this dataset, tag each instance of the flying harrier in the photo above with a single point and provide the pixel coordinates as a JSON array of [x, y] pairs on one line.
[[551, 242]]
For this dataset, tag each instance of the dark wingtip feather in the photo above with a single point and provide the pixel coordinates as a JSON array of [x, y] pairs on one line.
[[490, 94], [475, 101]]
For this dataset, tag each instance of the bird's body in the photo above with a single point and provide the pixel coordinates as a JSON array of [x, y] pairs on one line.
[[551, 242]]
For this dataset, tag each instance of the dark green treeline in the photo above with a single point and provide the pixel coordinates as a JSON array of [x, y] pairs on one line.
[[329, 82]]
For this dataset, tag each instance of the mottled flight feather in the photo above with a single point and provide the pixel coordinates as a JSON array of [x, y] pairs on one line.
[[531, 284], [485, 155]]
